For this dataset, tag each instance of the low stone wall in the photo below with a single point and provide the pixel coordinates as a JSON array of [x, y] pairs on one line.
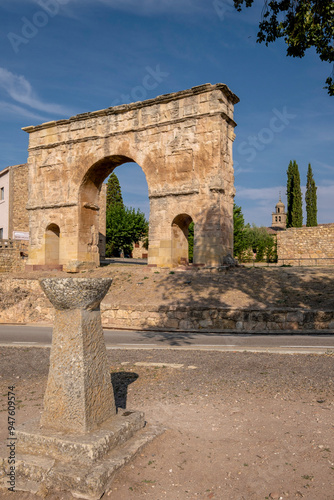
[[306, 245], [10, 256], [22, 301], [217, 319]]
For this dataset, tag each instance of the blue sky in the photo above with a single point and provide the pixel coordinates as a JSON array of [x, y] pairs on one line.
[[64, 57]]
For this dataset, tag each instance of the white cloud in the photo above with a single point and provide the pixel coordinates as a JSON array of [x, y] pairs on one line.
[[8, 108], [261, 195], [20, 90]]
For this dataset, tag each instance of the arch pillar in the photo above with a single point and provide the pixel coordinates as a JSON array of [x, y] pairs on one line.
[[213, 238]]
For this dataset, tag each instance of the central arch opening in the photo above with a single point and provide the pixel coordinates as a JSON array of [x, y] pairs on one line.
[[94, 212]]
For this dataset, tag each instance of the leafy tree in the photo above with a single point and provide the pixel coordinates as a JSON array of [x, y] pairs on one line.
[[302, 23], [271, 249], [260, 242], [252, 239], [125, 226], [311, 199], [294, 197], [114, 193]]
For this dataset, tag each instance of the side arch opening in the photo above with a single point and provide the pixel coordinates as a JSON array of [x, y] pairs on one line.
[[180, 242], [52, 236]]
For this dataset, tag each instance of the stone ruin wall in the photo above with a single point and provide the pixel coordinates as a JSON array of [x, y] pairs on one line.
[[11, 256], [306, 245], [18, 189], [13, 252]]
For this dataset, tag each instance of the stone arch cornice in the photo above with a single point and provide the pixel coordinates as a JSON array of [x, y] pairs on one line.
[[127, 131], [165, 98]]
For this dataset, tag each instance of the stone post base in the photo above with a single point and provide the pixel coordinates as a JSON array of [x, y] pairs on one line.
[[84, 465]]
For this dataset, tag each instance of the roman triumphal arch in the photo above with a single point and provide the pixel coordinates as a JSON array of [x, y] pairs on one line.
[[182, 141]]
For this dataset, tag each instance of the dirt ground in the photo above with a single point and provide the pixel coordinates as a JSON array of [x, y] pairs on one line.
[[240, 426], [241, 287]]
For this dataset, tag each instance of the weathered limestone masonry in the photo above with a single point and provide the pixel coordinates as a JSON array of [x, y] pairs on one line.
[[16, 195], [182, 141], [218, 319], [10, 256], [18, 188], [306, 245]]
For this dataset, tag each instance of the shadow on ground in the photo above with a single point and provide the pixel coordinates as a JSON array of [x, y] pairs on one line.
[[120, 382], [241, 288]]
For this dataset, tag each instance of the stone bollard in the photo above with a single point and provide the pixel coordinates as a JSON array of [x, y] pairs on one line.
[[80, 441], [79, 395]]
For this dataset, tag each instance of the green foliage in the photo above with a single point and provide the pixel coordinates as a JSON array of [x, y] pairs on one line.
[[311, 199], [252, 239], [238, 231], [261, 243], [114, 193], [191, 241], [294, 197], [271, 249], [302, 23], [125, 226], [289, 186]]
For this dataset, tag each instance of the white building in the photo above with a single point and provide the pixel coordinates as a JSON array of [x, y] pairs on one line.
[[14, 217], [4, 203]]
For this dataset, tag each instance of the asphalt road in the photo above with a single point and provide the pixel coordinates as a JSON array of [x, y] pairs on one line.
[[40, 336]]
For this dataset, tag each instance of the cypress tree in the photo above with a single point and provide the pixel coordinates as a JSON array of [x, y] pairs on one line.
[[294, 197], [238, 224], [311, 199], [289, 194], [114, 193], [297, 202]]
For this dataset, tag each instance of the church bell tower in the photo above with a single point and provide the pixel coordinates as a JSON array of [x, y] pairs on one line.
[[279, 216]]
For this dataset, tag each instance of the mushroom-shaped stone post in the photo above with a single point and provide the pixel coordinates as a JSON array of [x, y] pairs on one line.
[[79, 395]]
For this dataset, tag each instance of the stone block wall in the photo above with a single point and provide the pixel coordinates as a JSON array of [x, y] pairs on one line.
[[18, 186], [139, 252], [11, 259], [216, 319], [306, 245]]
